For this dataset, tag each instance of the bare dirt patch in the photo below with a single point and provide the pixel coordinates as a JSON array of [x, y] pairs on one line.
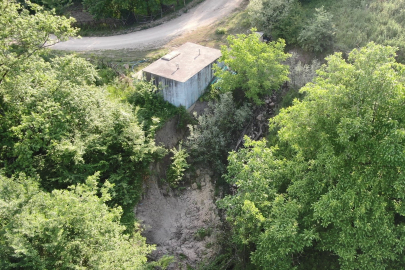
[[184, 222]]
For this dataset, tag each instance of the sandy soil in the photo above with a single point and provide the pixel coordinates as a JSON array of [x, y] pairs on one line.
[[182, 222], [204, 14]]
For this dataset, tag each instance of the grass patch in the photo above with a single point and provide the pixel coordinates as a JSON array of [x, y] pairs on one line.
[[220, 31], [359, 22], [235, 23], [202, 233]]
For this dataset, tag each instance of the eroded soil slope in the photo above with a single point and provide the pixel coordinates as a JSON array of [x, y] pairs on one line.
[[182, 222]]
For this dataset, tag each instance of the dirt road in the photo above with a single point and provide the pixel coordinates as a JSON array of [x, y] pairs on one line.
[[204, 14]]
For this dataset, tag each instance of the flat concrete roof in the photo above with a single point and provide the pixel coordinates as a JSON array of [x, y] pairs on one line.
[[190, 61]]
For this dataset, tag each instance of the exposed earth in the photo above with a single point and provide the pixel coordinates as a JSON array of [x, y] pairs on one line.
[[204, 14], [182, 222]]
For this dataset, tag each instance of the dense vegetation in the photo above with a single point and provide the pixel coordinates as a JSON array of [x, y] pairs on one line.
[[256, 68], [319, 25], [64, 229], [329, 193], [72, 154], [324, 192], [113, 8]]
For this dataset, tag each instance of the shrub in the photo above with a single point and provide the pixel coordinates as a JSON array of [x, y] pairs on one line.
[[319, 34], [278, 18], [177, 168], [220, 31], [301, 74], [202, 233], [151, 109], [214, 136]]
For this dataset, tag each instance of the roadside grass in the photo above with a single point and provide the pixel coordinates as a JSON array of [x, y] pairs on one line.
[[359, 22], [215, 35], [123, 61]]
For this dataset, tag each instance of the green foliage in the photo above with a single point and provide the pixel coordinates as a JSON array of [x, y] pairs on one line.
[[201, 233], [220, 31], [301, 74], [59, 5], [178, 166], [214, 135], [65, 229], [107, 8], [277, 18], [23, 34], [255, 66], [151, 109], [54, 121], [358, 22], [162, 263], [121, 8], [64, 129], [318, 35], [335, 199], [266, 14], [57, 129]]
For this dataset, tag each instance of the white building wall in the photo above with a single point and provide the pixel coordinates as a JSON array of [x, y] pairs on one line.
[[186, 93]]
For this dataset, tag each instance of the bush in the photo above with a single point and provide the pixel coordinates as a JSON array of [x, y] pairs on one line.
[[202, 233], [151, 109], [277, 18], [216, 132], [301, 74], [220, 31], [177, 168], [319, 34]]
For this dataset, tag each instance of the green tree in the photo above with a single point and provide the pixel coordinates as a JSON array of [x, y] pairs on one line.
[[57, 124], [255, 67], [277, 18], [178, 166], [118, 8], [22, 34], [318, 35], [330, 194], [65, 229], [59, 5], [217, 131]]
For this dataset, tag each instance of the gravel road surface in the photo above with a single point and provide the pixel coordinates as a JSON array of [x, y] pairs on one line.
[[204, 14]]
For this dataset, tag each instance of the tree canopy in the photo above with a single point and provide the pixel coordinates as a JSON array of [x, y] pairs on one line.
[[65, 229], [255, 67], [63, 140], [116, 8], [277, 18], [57, 124], [330, 193]]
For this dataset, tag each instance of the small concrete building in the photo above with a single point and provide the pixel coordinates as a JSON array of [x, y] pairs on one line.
[[183, 74]]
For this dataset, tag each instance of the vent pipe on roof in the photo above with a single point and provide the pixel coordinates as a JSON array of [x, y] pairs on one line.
[[177, 65], [199, 51]]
